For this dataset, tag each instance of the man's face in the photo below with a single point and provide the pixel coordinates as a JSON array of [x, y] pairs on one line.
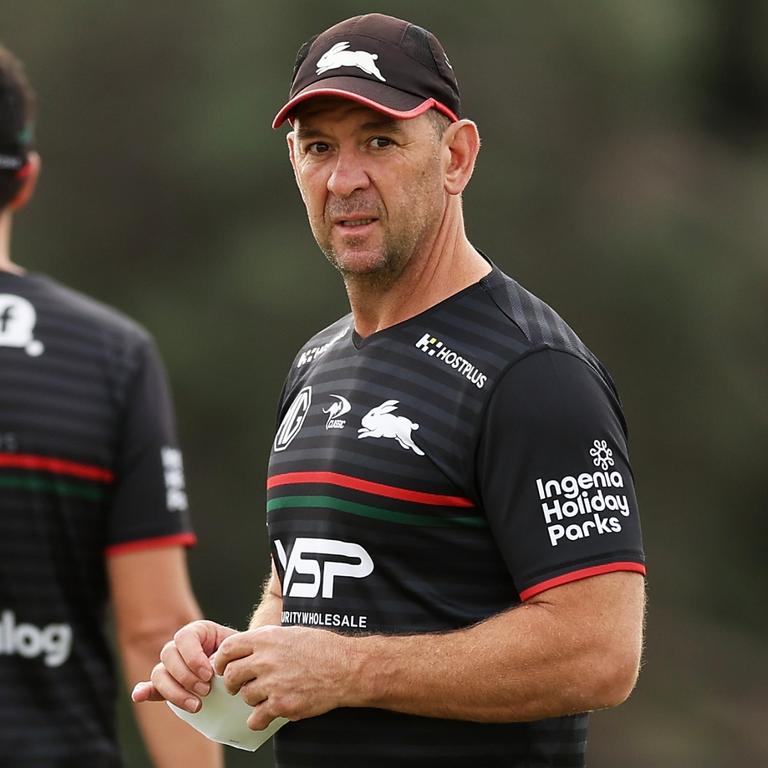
[[372, 185]]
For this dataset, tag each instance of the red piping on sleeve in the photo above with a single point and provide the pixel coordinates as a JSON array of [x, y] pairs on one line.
[[176, 539], [583, 573]]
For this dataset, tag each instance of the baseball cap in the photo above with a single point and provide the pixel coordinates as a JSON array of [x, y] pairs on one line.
[[379, 61], [16, 108]]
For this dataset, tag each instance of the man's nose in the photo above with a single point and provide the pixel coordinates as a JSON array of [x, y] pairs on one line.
[[348, 174]]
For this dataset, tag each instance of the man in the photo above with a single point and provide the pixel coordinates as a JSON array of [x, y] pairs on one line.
[[457, 565], [92, 504]]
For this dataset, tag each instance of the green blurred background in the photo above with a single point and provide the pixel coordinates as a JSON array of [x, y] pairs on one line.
[[623, 178]]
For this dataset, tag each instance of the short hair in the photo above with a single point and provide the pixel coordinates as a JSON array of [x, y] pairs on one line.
[[17, 107], [440, 122]]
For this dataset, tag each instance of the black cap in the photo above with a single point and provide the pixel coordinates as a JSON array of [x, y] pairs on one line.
[[16, 107], [384, 63]]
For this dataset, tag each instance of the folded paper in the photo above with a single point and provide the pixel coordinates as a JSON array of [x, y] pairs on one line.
[[222, 718]]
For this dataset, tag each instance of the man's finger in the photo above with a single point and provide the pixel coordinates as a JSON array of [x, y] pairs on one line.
[[238, 673], [145, 691], [195, 643], [168, 689], [261, 717], [176, 667], [236, 646], [253, 693]]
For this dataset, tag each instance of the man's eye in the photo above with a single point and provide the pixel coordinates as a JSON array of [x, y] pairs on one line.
[[317, 148], [381, 142]]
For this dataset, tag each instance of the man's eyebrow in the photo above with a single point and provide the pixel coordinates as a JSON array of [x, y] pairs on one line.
[[304, 132], [388, 124]]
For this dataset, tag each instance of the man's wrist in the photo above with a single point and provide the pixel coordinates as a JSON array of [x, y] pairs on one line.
[[367, 671]]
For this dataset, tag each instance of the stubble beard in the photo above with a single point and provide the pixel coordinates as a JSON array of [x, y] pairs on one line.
[[397, 249], [383, 268]]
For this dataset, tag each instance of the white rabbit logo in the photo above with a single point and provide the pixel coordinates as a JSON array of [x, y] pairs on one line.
[[379, 422], [338, 56]]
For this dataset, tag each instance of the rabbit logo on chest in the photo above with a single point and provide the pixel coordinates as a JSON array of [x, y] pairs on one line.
[[381, 422]]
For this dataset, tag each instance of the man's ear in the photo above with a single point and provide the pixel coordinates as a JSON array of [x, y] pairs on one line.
[[29, 174], [461, 141], [291, 139]]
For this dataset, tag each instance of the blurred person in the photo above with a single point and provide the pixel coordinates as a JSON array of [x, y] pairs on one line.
[[457, 566], [92, 504]]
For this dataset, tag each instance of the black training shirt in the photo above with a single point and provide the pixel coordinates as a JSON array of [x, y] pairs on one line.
[[434, 474], [89, 468]]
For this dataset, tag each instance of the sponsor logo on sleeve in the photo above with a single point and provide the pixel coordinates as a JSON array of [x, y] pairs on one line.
[[173, 473], [17, 322], [433, 347], [588, 504], [601, 454]]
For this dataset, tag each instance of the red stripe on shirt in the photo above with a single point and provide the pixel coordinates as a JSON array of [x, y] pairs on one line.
[[175, 539], [57, 466], [582, 573], [355, 483]]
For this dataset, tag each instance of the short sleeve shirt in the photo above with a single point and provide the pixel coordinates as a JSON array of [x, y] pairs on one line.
[[89, 468], [434, 474]]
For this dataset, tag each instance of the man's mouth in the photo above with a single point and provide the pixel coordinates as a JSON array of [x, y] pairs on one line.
[[351, 223]]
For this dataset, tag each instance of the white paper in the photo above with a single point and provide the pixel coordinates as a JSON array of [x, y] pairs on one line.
[[222, 718]]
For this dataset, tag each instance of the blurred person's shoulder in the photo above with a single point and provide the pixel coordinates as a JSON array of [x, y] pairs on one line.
[[68, 330], [57, 302]]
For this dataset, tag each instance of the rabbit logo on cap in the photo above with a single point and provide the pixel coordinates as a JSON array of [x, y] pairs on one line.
[[338, 56]]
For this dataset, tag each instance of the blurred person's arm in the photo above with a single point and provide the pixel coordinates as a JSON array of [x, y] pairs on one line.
[[151, 598]]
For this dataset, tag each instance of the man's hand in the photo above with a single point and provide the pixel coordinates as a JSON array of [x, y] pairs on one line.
[[184, 672], [293, 672]]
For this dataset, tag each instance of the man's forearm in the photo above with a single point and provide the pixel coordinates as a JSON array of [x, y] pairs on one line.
[[152, 598], [169, 740], [526, 664]]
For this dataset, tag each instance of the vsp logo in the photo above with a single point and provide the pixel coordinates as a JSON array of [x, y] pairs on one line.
[[338, 56], [17, 321], [380, 422], [53, 642], [323, 561], [293, 419]]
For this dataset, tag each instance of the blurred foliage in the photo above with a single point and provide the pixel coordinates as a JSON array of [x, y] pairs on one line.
[[623, 178]]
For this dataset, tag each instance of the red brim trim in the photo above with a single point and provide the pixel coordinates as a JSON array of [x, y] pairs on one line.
[[284, 113], [175, 540], [583, 573]]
